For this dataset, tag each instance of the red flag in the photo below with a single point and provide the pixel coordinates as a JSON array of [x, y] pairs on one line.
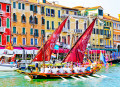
[[77, 52], [47, 48]]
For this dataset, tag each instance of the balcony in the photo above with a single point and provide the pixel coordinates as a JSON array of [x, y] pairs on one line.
[[108, 36], [73, 16], [78, 31], [2, 29], [108, 46], [65, 30]]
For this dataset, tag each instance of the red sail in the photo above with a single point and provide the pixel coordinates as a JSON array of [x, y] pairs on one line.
[[77, 52], [47, 48]]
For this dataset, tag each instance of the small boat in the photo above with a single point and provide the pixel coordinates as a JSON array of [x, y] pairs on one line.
[[5, 65]]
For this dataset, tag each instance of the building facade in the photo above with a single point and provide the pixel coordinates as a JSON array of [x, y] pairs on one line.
[[5, 22], [27, 24]]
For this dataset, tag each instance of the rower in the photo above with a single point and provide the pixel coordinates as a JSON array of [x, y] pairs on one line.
[[47, 69], [61, 70], [54, 70], [69, 70], [75, 69], [42, 70], [64, 69], [83, 68]]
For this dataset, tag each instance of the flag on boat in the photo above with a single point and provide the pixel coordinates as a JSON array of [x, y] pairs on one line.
[[102, 58], [53, 55], [44, 54], [76, 54]]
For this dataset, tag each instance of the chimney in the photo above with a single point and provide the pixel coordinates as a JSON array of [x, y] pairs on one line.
[[53, 3], [43, 1]]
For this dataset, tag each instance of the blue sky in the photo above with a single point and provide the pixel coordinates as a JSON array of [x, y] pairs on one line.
[[111, 7]]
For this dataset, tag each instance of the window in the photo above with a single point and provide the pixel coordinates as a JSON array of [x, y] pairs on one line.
[[85, 26], [67, 11], [23, 30], [31, 19], [8, 23], [58, 13], [44, 1], [7, 8], [31, 41], [47, 12], [8, 38], [75, 13], [77, 24], [43, 35], [14, 40], [23, 19], [14, 17], [100, 12], [52, 25], [96, 22], [24, 41], [97, 31], [52, 13], [36, 42], [58, 24], [23, 6], [0, 22], [104, 32], [93, 30], [31, 7], [14, 4], [101, 32], [35, 9], [19, 5], [0, 7], [31, 31], [110, 24], [101, 40], [68, 23], [42, 10], [0, 39], [36, 20], [48, 25], [36, 33], [107, 23], [14, 29], [43, 21], [107, 42], [104, 23]]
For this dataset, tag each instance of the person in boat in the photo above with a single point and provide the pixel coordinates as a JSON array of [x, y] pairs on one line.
[[47, 69], [83, 68], [75, 69], [69, 70], [65, 69], [36, 66], [61, 70], [42, 69], [54, 70]]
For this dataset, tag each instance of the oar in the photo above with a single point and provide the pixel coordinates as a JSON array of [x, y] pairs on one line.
[[96, 75], [90, 77], [61, 77], [74, 77], [82, 77], [27, 77]]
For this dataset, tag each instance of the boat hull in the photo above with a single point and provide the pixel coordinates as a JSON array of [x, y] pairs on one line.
[[8, 67]]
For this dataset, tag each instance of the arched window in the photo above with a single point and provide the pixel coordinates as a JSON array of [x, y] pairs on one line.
[[23, 19], [14, 17], [31, 19], [36, 20]]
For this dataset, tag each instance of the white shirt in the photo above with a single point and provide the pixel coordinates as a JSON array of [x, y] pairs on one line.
[[83, 69], [68, 70], [64, 69], [42, 70], [54, 70], [76, 69], [46, 70], [61, 70]]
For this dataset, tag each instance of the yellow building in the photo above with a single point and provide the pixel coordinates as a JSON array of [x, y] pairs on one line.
[[27, 23]]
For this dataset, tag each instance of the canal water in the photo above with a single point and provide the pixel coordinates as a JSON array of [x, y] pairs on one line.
[[109, 77]]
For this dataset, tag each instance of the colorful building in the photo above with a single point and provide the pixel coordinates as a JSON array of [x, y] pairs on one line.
[[5, 22], [27, 23]]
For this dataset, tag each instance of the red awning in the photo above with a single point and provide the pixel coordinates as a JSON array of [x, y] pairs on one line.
[[18, 48], [30, 48], [2, 47], [96, 51], [61, 50]]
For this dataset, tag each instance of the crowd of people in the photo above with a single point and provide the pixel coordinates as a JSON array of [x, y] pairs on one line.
[[65, 69]]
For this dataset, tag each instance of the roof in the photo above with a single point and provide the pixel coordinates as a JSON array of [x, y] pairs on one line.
[[85, 8], [106, 16]]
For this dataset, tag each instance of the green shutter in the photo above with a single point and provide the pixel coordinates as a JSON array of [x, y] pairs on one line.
[[14, 29], [0, 39], [8, 38], [8, 23], [31, 31], [23, 30]]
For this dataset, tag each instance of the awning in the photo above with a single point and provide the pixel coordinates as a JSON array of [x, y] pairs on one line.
[[2, 47], [18, 48], [61, 50], [96, 51], [30, 48]]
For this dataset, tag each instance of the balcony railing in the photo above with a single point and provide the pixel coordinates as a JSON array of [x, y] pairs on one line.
[[78, 31], [108, 36], [2, 29], [65, 30]]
